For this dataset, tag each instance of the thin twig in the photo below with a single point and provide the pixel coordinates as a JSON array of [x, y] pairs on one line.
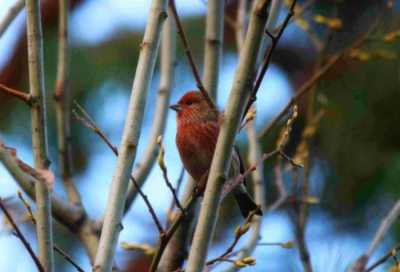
[[21, 237], [189, 55], [308, 85], [386, 223], [268, 57], [384, 258], [25, 97], [164, 239], [164, 171], [88, 122], [239, 232], [57, 249], [178, 186], [10, 15]]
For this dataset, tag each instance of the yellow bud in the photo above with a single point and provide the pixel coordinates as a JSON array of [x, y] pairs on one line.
[[391, 36], [335, 23], [159, 139], [288, 245], [303, 24], [319, 19], [239, 264], [249, 261], [310, 200]]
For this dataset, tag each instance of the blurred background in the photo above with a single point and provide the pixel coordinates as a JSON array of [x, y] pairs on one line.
[[354, 153]]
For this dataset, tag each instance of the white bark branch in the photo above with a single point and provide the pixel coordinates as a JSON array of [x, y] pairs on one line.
[[167, 68], [221, 161], [213, 46], [130, 138], [44, 227], [10, 15]]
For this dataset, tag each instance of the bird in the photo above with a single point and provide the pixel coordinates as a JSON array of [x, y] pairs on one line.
[[198, 126]]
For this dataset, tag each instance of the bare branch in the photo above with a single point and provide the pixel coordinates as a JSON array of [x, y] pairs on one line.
[[307, 86], [87, 121], [221, 161], [167, 68], [386, 223], [268, 56], [384, 258], [57, 249], [10, 15], [259, 192], [62, 98], [213, 45], [17, 94], [44, 226], [164, 170], [127, 152], [189, 55], [21, 237]]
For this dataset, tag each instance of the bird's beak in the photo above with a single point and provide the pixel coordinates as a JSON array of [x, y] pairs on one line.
[[175, 107]]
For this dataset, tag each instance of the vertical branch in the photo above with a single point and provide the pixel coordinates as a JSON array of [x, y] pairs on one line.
[[10, 15], [167, 61], [62, 99], [39, 132], [229, 128], [213, 45], [130, 138], [176, 250], [241, 22], [259, 190]]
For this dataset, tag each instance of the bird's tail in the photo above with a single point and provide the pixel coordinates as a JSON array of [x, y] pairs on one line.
[[245, 202]]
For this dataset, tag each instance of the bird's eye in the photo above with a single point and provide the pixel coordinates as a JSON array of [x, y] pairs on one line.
[[189, 103]]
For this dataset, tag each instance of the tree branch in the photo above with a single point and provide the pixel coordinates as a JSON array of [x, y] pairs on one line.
[[213, 45], [221, 161], [188, 53], [21, 237], [62, 98], [10, 15], [24, 97], [259, 193], [44, 227], [167, 67], [386, 223], [130, 138]]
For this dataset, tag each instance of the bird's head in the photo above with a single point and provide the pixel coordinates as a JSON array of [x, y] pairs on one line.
[[192, 106]]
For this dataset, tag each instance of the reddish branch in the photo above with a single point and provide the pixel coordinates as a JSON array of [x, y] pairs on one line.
[[25, 97]]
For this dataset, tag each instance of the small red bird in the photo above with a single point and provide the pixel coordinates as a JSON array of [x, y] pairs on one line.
[[197, 132]]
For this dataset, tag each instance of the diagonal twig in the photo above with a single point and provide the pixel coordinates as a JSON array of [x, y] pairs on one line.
[[56, 248], [189, 55], [88, 122], [21, 237], [25, 97]]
